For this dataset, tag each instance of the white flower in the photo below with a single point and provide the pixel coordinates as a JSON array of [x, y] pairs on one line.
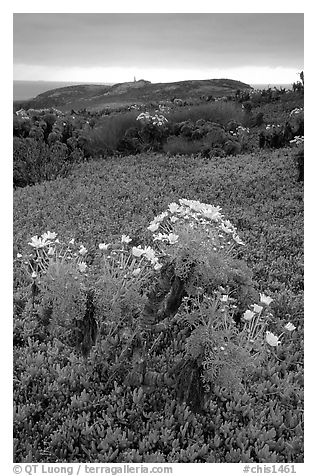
[[83, 251], [265, 299], [173, 219], [143, 116], [136, 271], [298, 140], [224, 298], [49, 236], [271, 339], [160, 237], [157, 266], [126, 239], [194, 205], [153, 226], [51, 251], [238, 240], [34, 275], [172, 238], [226, 229], [103, 246], [173, 207], [290, 327], [257, 308], [248, 315], [37, 242], [211, 212], [82, 267], [149, 253], [137, 252], [160, 217]]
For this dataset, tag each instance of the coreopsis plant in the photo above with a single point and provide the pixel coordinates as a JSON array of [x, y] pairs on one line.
[[60, 285], [193, 215], [227, 319], [195, 236], [153, 130], [228, 351], [128, 297], [48, 251], [71, 293], [123, 275]]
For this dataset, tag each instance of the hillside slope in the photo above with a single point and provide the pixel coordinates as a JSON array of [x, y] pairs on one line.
[[94, 97]]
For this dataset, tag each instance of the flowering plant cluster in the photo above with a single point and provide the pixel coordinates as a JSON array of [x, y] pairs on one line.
[[63, 283], [191, 215], [256, 321], [189, 233], [190, 274], [163, 109], [240, 131], [60, 289], [156, 120], [273, 127], [229, 350], [129, 262], [47, 249], [298, 141]]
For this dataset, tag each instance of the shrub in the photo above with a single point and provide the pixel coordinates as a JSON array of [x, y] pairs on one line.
[[258, 120], [107, 134], [34, 161], [232, 147], [153, 132], [21, 126], [247, 106], [220, 112], [298, 143], [181, 145], [215, 136]]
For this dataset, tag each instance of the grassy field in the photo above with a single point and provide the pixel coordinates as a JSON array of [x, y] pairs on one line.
[[99, 202]]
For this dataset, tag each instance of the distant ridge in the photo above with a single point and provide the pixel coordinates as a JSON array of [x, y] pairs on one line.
[[99, 96], [27, 90]]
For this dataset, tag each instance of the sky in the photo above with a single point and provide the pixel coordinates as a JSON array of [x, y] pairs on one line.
[[110, 48]]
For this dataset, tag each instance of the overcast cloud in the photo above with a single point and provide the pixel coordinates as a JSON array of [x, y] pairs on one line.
[[159, 47]]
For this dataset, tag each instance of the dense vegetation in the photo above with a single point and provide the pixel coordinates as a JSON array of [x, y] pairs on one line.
[[216, 127], [114, 357]]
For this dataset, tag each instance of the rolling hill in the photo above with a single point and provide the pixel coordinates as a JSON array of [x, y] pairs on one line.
[[96, 97]]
